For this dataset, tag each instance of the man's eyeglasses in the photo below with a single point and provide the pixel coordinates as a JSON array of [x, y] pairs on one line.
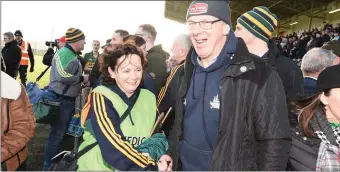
[[203, 24]]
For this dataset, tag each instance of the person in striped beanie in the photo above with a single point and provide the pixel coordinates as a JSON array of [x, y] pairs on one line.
[[66, 77], [256, 27], [260, 23], [74, 35]]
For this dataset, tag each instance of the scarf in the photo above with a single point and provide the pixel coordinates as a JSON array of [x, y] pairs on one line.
[[329, 150]]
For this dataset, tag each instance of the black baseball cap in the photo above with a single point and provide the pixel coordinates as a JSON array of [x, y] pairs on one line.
[[328, 78], [18, 33]]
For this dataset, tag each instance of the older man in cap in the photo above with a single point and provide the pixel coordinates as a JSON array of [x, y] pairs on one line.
[[231, 111], [65, 80]]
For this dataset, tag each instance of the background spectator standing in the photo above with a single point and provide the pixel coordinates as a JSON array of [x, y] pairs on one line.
[[11, 54], [156, 55], [90, 59], [26, 55]]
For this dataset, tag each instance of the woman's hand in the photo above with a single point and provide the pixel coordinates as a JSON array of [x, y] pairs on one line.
[[165, 163]]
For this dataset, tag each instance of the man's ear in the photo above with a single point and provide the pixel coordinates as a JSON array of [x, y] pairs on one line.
[[226, 29], [336, 61], [324, 99]]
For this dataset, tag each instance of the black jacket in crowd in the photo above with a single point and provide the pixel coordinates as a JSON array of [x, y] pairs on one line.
[[304, 152], [254, 131], [302, 44], [168, 94], [290, 74], [317, 42], [156, 65], [48, 56], [12, 56], [3, 66]]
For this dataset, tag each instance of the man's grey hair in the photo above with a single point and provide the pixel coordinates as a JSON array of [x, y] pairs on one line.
[[184, 41], [9, 35], [316, 60]]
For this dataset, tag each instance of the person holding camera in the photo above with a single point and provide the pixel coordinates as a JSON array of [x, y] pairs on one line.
[[65, 80], [26, 55], [59, 43]]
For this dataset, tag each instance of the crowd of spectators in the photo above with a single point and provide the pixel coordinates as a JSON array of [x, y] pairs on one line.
[[296, 45]]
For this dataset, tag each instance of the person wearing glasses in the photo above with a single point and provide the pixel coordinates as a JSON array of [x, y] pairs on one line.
[[231, 111]]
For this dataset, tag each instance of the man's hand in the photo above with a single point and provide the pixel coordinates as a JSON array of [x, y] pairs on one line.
[[86, 78], [165, 163], [31, 69]]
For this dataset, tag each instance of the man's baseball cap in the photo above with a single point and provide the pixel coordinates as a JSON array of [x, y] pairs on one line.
[[62, 39], [328, 79], [218, 9]]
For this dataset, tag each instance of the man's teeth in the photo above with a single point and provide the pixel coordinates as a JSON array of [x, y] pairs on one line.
[[200, 41]]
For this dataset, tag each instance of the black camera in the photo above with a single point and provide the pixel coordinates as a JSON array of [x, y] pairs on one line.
[[52, 43]]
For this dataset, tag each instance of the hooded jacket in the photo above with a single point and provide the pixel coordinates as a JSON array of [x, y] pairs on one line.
[[12, 56], [253, 127], [201, 109], [157, 66], [17, 125], [290, 74]]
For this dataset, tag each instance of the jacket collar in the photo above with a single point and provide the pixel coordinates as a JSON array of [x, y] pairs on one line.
[[14, 42], [68, 46], [273, 53], [241, 62]]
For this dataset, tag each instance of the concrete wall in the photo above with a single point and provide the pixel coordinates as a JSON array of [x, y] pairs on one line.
[[304, 20]]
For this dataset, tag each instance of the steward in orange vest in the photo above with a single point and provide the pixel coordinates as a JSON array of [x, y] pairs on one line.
[[26, 55]]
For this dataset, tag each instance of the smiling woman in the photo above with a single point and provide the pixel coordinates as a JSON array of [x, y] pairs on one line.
[[117, 117]]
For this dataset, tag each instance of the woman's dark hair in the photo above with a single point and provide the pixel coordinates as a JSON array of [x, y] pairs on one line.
[[138, 41], [111, 59], [306, 108], [135, 40]]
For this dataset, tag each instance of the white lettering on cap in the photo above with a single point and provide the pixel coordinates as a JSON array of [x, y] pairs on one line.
[[198, 8]]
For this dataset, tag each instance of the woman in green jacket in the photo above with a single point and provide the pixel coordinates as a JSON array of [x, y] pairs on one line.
[[119, 116]]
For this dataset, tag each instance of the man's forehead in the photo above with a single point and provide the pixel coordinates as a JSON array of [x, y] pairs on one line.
[[116, 35], [202, 18], [139, 30]]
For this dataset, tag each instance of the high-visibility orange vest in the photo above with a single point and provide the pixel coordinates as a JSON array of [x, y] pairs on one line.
[[24, 53]]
